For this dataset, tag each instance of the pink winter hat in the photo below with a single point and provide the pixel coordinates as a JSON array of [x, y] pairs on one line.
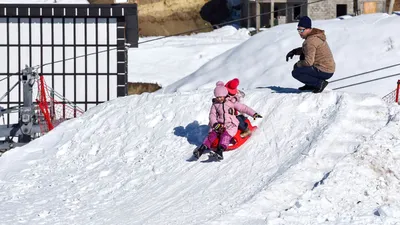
[[220, 90]]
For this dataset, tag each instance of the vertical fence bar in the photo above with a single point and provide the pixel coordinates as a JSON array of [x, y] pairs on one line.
[[86, 68], [30, 42], [397, 91], [52, 54], [8, 68], [19, 61], [108, 59], [41, 45], [64, 58], [75, 33], [97, 60]]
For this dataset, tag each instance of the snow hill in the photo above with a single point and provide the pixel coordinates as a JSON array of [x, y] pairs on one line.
[[359, 44], [327, 158]]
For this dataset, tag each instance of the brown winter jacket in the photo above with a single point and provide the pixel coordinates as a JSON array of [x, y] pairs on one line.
[[317, 52]]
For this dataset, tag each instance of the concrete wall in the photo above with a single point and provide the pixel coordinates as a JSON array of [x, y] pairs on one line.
[[327, 9]]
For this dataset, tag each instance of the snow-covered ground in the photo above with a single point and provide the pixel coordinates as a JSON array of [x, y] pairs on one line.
[[167, 60], [329, 158], [124, 162], [359, 44]]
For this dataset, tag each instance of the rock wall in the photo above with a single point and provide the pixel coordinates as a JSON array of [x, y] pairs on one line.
[[167, 17]]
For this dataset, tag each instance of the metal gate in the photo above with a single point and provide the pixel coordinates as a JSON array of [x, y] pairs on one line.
[[80, 49]]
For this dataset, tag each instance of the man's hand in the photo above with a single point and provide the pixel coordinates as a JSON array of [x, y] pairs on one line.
[[296, 51], [290, 55]]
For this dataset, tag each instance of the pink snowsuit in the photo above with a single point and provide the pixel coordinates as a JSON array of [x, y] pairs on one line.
[[237, 97], [224, 113]]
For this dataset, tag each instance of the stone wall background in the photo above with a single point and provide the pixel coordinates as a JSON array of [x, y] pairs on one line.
[[166, 17]]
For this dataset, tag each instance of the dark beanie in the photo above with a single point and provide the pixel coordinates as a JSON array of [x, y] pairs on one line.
[[305, 22]]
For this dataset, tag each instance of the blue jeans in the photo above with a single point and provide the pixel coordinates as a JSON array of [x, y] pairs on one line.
[[242, 125], [309, 75]]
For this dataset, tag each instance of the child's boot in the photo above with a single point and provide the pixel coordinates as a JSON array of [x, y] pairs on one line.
[[245, 133], [199, 151], [219, 152]]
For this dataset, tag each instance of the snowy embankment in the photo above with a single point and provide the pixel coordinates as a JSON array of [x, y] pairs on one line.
[[359, 44], [167, 60], [328, 158]]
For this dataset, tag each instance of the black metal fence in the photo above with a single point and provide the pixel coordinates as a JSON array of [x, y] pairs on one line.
[[80, 49]]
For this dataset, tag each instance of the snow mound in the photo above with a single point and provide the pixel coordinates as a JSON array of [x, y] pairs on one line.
[[312, 159]]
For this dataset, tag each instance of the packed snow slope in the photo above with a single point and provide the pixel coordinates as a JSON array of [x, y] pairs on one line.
[[329, 158], [169, 59], [359, 44]]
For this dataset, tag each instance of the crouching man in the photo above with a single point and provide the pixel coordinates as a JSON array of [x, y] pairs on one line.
[[316, 64]]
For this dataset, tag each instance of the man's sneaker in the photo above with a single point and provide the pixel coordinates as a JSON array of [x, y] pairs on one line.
[[307, 88], [245, 133], [199, 151], [323, 86]]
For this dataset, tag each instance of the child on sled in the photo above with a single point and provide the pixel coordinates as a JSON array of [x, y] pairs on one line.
[[223, 122], [236, 96]]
